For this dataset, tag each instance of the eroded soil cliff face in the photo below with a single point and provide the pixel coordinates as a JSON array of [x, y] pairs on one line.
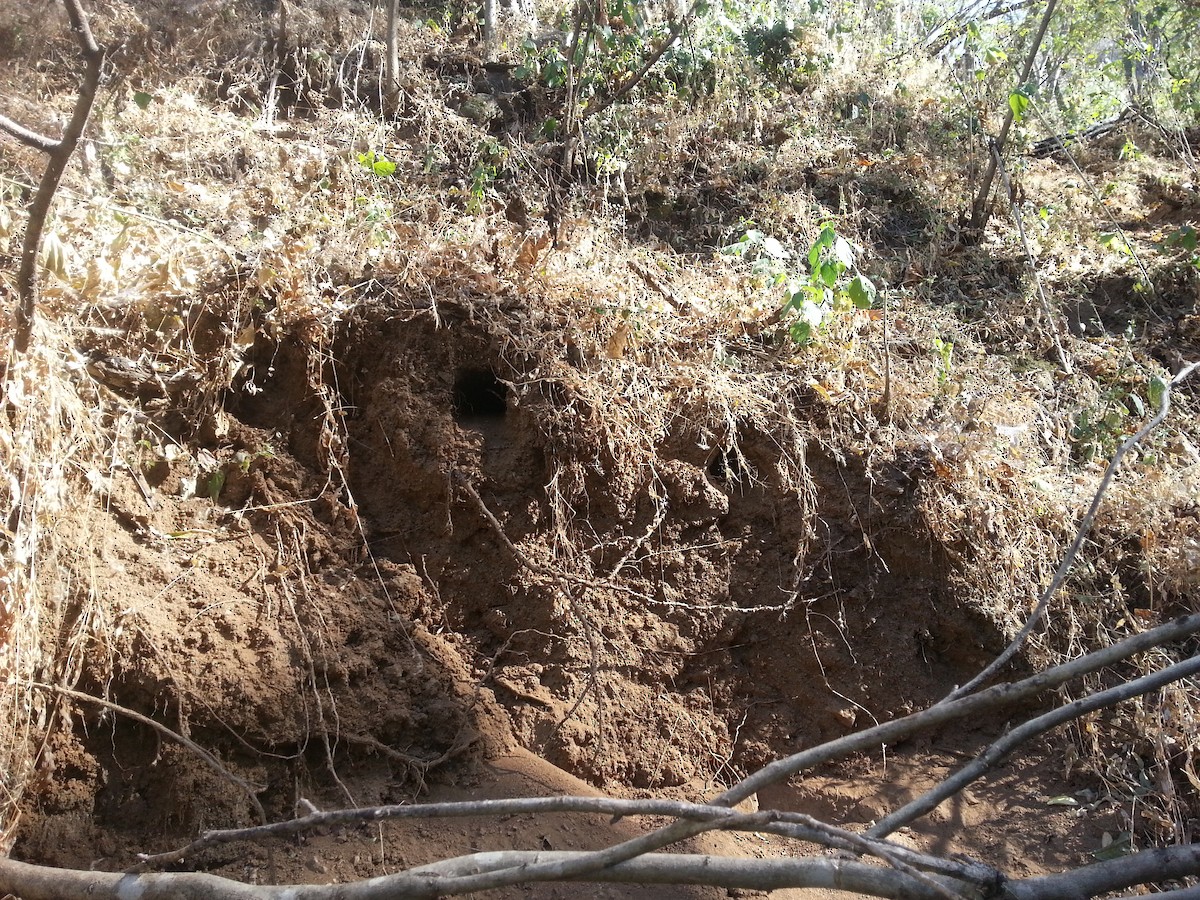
[[388, 574], [427, 488]]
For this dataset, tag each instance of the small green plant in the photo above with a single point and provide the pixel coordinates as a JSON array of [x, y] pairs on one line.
[[1101, 427], [545, 65], [944, 361], [377, 164], [487, 168], [831, 284], [1184, 238]]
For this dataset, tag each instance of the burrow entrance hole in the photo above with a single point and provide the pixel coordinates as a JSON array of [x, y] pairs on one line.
[[725, 467], [478, 393]]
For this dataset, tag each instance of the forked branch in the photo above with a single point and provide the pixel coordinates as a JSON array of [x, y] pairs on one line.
[[59, 153]]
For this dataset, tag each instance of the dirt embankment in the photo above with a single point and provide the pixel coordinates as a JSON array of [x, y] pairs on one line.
[[445, 509], [438, 552]]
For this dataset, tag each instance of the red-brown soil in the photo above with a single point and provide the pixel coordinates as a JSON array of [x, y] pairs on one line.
[[394, 646]]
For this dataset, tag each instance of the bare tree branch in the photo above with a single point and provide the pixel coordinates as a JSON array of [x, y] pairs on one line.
[[1064, 567], [755, 874], [948, 711], [25, 136], [994, 754], [449, 877], [787, 824], [1160, 864], [981, 209], [1192, 893]]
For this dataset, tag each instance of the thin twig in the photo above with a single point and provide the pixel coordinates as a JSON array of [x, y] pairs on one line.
[[1085, 526], [981, 209], [251, 790], [1047, 310], [59, 156], [1086, 180], [994, 754]]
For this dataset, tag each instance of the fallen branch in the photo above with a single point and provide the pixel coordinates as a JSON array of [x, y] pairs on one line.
[[796, 826], [996, 753], [436, 880], [1160, 864], [42, 883]]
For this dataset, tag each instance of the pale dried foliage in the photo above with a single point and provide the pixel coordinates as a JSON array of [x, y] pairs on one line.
[[48, 437]]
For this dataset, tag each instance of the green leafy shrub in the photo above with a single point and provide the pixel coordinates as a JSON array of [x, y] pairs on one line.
[[815, 286]]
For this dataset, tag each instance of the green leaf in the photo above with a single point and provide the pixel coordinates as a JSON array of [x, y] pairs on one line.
[[1156, 391], [142, 99], [1184, 237], [1114, 848], [384, 168], [800, 331], [861, 291], [216, 481], [1018, 102], [1114, 240]]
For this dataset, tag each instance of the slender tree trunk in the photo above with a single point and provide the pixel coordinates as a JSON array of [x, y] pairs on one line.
[[489, 30], [393, 54], [59, 153], [981, 209]]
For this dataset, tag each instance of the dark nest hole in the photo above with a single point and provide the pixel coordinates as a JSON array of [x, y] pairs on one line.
[[478, 393], [725, 468]]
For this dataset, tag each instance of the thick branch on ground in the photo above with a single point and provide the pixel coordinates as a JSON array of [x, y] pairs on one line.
[[786, 824], [41, 883], [1161, 864], [996, 753], [59, 155]]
